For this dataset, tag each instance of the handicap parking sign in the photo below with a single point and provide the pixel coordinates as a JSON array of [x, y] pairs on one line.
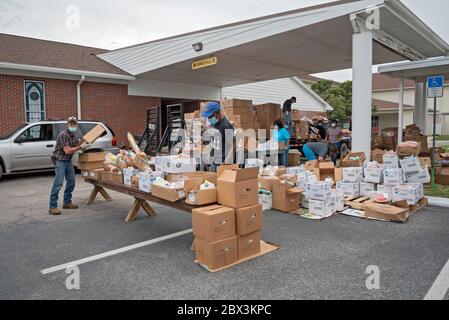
[[435, 87]]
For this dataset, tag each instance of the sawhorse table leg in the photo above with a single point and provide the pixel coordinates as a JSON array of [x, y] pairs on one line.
[[94, 193], [134, 211]]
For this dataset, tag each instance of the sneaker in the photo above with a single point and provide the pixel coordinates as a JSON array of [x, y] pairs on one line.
[[70, 206], [54, 211]]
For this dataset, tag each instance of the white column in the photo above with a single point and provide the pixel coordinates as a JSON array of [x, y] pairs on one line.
[[401, 110], [362, 62], [421, 106]]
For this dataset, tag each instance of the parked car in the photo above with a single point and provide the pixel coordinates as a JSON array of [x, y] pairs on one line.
[[29, 147]]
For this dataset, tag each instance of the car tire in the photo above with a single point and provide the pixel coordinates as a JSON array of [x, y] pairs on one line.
[[343, 150], [2, 170]]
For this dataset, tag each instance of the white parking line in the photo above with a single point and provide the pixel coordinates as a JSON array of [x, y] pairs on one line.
[[440, 285], [114, 252]]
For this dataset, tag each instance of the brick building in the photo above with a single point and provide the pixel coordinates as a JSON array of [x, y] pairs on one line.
[[39, 80]]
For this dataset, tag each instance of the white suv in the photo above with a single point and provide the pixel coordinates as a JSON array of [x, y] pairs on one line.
[[30, 146]]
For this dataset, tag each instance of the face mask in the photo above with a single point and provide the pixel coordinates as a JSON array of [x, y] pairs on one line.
[[72, 129], [333, 125], [213, 121], [276, 128]]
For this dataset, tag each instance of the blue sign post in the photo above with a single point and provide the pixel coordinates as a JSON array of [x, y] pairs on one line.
[[435, 88]]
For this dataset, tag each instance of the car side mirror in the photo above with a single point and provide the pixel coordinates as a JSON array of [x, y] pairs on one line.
[[20, 139]]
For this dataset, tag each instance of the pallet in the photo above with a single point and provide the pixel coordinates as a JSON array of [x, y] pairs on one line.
[[424, 202], [357, 203]]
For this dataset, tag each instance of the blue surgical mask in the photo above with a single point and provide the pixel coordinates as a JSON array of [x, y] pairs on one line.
[[276, 128], [72, 129], [213, 121]]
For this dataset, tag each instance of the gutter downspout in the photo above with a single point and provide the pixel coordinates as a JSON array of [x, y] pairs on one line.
[[78, 96]]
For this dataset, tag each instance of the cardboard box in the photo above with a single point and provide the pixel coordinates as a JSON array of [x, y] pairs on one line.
[[128, 173], [294, 158], [254, 163], [249, 219], [192, 178], [295, 170], [398, 211], [349, 161], [337, 200], [169, 194], [141, 162], [393, 177], [425, 161], [442, 176], [407, 151], [216, 254], [232, 103], [135, 182], [352, 174], [175, 164], [422, 176], [91, 156], [320, 208], [285, 199], [350, 189], [90, 165], [367, 188], [146, 180], [391, 162], [377, 155], [199, 197], [266, 201], [326, 170], [106, 175], [410, 165], [96, 173], [248, 244], [238, 188], [214, 222], [311, 165], [266, 182], [117, 177], [410, 194], [93, 135], [374, 175], [319, 190]]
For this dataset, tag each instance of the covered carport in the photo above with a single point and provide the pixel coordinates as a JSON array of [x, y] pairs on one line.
[[340, 35], [417, 71]]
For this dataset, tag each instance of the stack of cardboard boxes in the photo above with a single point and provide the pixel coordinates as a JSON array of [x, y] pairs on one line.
[[91, 164], [302, 130], [230, 231], [240, 113], [267, 114]]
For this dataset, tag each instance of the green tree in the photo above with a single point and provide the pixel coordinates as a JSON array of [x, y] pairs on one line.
[[338, 96]]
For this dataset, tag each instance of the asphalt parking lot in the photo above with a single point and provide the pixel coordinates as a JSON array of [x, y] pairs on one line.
[[316, 260]]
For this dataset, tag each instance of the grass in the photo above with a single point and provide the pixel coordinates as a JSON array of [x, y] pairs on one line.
[[442, 138], [438, 191]]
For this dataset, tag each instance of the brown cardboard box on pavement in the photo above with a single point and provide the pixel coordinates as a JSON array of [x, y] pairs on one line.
[[93, 135], [285, 199], [91, 156], [249, 244], [238, 188], [327, 169], [214, 222], [216, 254], [398, 211], [249, 219]]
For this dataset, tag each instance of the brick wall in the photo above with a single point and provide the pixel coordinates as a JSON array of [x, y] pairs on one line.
[[108, 103]]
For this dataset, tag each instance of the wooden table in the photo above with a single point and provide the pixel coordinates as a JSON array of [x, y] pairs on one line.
[[140, 198]]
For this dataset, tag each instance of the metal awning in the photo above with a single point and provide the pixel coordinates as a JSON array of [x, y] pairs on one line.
[[305, 41], [418, 70]]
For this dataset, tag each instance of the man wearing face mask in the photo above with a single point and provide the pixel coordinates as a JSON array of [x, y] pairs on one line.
[[219, 122], [66, 147]]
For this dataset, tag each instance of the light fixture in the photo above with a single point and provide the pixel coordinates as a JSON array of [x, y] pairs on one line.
[[198, 46]]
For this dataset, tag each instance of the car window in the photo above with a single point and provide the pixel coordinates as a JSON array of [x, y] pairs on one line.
[[86, 127], [40, 132]]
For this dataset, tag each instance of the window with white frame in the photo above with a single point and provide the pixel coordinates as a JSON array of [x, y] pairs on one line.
[[34, 101], [375, 121]]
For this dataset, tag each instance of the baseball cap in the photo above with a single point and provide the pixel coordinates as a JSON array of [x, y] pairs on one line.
[[72, 119], [211, 108]]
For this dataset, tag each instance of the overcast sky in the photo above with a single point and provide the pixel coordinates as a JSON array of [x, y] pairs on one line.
[[113, 24]]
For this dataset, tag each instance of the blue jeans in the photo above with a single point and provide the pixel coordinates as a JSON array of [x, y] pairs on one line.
[[62, 169], [310, 155]]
